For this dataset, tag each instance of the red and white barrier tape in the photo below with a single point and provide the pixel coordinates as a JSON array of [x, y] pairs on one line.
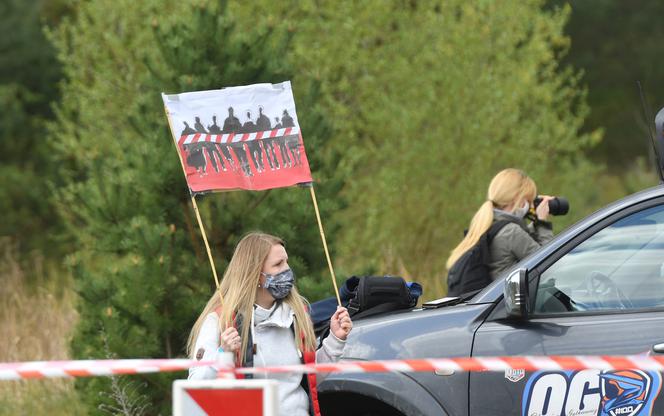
[[90, 368], [528, 363]]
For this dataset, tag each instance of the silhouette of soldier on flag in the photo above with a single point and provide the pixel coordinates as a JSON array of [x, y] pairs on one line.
[[263, 124], [215, 129], [232, 125], [254, 146], [187, 130]]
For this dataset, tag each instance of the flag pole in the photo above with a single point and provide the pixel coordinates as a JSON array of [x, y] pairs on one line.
[[198, 215], [207, 245], [322, 236]]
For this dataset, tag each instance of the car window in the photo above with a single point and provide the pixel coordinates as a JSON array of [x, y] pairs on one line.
[[620, 267]]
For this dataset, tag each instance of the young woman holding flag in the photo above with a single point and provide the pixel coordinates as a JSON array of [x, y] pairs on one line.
[[264, 321]]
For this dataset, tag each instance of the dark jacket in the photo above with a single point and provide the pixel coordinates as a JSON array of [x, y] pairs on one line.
[[516, 241]]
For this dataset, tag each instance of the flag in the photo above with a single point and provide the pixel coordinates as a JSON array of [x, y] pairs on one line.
[[244, 137]]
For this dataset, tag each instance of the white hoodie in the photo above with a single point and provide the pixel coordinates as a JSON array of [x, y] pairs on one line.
[[275, 346]]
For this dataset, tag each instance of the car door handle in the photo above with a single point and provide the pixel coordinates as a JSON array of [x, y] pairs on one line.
[[658, 348]]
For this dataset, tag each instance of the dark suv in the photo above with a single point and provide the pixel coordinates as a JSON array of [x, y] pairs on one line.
[[596, 289]]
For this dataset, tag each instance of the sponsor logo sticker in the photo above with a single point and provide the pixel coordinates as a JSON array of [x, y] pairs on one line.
[[515, 375]]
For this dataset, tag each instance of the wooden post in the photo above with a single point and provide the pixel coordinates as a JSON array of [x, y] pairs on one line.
[[207, 245], [322, 236]]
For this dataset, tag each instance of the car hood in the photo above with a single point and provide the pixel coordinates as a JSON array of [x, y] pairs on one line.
[[417, 333]]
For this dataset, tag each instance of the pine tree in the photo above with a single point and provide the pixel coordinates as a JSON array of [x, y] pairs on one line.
[[140, 267], [29, 72]]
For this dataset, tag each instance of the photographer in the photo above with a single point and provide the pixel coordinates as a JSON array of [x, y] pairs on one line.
[[510, 199]]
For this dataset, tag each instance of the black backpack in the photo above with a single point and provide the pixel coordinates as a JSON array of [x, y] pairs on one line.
[[471, 271], [378, 294], [370, 295]]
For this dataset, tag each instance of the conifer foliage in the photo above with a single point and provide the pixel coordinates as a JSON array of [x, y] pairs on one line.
[[140, 266], [28, 78]]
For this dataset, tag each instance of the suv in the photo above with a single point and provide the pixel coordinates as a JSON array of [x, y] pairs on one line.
[[596, 289]]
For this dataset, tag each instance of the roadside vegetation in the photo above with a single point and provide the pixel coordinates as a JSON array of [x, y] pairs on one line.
[[408, 108], [37, 318]]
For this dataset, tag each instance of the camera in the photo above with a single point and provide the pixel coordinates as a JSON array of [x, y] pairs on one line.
[[557, 205]]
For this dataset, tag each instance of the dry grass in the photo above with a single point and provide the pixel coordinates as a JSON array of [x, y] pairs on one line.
[[37, 316]]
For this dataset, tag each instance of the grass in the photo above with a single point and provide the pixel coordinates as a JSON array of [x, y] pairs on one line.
[[37, 316]]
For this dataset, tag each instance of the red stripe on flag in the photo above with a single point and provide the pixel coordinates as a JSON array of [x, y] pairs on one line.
[[273, 133], [245, 137], [182, 139], [288, 130], [259, 135], [196, 136], [208, 137], [229, 139], [217, 138]]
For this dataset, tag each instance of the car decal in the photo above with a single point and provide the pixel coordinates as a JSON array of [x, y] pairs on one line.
[[515, 374], [591, 392]]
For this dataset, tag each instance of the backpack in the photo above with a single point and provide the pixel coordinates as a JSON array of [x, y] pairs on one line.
[[378, 294], [471, 270], [366, 296]]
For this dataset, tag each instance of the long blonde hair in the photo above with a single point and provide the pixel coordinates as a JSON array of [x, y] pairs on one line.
[[509, 186], [238, 288]]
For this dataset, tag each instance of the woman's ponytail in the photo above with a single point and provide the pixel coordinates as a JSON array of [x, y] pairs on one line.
[[480, 223]]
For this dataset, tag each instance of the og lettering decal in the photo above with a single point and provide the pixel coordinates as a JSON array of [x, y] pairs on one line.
[[591, 392]]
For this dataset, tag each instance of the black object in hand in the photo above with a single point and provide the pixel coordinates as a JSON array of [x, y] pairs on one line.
[[557, 206]]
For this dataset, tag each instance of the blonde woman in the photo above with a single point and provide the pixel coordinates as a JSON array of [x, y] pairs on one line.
[[510, 198], [264, 322]]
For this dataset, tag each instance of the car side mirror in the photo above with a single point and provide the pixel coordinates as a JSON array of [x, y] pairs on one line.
[[516, 294]]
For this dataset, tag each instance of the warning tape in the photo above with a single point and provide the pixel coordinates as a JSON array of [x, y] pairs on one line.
[[528, 363], [91, 368]]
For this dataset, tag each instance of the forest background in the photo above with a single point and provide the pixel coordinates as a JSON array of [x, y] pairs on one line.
[[408, 108]]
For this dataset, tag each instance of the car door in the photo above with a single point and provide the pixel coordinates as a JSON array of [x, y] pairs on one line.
[[602, 293]]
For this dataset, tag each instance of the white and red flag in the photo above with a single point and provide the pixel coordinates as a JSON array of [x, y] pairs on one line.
[[239, 137]]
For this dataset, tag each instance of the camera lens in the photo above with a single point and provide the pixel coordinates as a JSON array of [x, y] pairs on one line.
[[557, 205]]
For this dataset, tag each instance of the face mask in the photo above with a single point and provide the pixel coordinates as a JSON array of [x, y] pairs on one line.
[[521, 212], [280, 284]]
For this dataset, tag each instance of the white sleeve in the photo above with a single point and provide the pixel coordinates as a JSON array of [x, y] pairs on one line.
[[331, 350], [206, 347]]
